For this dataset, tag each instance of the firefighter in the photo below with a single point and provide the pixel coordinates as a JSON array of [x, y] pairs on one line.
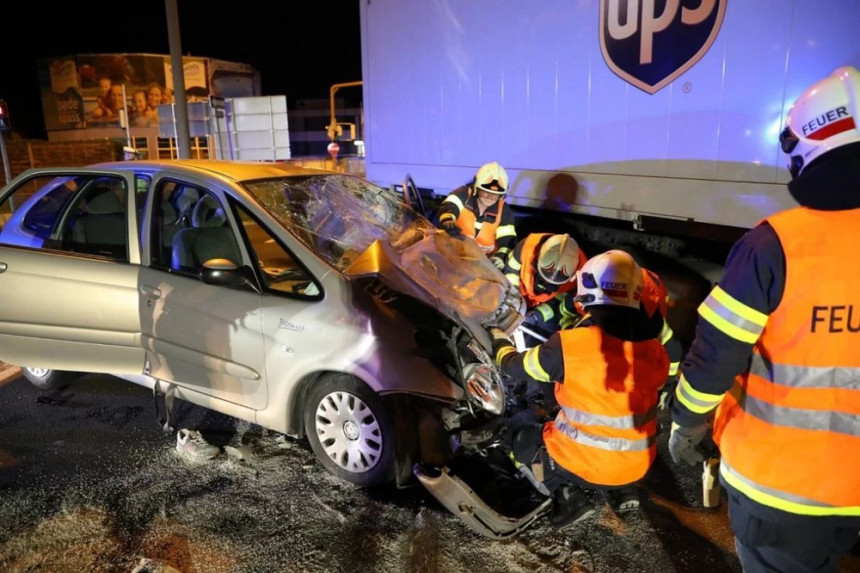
[[655, 299], [606, 373], [775, 355], [544, 267], [478, 210]]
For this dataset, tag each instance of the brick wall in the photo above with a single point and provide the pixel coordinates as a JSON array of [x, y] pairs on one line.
[[24, 154]]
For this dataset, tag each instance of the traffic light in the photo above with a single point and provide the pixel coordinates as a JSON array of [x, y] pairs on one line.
[[5, 124]]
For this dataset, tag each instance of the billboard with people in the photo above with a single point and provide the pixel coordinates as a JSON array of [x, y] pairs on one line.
[[85, 91]]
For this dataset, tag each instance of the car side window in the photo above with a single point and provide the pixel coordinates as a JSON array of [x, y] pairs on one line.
[[281, 271], [202, 231], [83, 214]]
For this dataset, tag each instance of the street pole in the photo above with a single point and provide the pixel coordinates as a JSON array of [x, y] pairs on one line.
[[180, 106]]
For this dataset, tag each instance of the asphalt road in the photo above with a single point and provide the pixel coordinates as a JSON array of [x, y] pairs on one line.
[[89, 482]]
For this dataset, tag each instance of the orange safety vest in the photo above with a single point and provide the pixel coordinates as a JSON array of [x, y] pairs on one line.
[[654, 293], [789, 429], [606, 430], [486, 236], [528, 269]]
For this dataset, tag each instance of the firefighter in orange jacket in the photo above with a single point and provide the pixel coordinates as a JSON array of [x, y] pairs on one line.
[[606, 372], [775, 353], [478, 210], [544, 267]]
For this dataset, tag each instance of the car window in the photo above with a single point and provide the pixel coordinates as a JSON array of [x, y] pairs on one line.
[[281, 271], [191, 227], [84, 214]]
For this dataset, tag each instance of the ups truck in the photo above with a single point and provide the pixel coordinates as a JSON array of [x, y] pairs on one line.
[[647, 124]]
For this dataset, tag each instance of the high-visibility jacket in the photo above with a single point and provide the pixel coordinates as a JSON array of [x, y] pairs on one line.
[[655, 298], [789, 429], [529, 277], [606, 429], [493, 230]]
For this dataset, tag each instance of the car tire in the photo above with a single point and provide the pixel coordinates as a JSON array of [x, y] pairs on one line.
[[45, 379], [350, 430]]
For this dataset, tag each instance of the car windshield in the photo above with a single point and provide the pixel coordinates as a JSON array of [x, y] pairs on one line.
[[340, 216]]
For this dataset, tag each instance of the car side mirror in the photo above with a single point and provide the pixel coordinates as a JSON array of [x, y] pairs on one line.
[[224, 272]]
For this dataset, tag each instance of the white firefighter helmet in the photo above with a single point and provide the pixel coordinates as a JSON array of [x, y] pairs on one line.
[[610, 278], [557, 259], [824, 117], [492, 178]]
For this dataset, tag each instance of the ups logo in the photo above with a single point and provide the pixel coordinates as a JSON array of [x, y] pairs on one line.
[[649, 43]]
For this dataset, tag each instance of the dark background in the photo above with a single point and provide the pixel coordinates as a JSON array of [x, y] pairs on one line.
[[299, 48]]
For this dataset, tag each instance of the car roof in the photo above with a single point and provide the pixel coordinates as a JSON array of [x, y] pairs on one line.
[[236, 170]]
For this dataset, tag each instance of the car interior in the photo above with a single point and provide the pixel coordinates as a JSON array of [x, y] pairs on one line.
[[208, 237], [101, 227]]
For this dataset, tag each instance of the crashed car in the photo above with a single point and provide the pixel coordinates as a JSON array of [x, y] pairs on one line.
[[310, 302]]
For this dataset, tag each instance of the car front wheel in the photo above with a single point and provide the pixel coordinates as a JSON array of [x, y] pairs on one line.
[[46, 379], [350, 431]]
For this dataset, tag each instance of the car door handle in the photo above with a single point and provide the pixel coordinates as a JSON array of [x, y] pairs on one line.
[[3, 267], [151, 291]]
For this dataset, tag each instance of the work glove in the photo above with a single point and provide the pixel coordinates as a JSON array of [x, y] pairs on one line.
[[450, 227], [683, 442], [500, 340]]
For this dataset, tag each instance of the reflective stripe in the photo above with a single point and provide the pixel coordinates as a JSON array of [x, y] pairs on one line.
[[780, 499], [545, 311], [454, 200], [603, 442], [630, 422], [506, 231], [514, 278], [841, 377], [532, 366], [801, 418], [695, 401], [731, 317], [666, 334], [504, 351], [673, 368], [514, 264]]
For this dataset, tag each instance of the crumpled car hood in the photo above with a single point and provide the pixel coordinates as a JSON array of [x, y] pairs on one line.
[[451, 275]]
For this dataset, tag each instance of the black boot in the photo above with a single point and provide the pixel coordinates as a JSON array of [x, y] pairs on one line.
[[623, 499], [570, 504]]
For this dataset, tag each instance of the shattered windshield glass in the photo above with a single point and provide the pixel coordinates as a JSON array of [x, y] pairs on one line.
[[340, 216], [361, 228]]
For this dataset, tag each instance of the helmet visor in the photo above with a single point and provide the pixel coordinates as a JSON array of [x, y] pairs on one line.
[[492, 187]]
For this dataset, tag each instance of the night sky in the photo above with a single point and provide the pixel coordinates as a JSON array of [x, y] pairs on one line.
[[299, 48]]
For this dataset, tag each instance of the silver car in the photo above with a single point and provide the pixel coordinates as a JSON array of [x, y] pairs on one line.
[[312, 303]]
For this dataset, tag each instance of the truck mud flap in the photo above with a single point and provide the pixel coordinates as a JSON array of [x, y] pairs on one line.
[[462, 501]]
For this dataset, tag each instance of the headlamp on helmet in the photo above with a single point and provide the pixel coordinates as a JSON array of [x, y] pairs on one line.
[[492, 178]]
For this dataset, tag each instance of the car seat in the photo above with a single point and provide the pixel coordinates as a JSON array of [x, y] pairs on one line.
[[102, 230], [209, 237]]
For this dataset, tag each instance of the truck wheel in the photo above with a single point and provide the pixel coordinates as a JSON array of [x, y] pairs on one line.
[[45, 379], [350, 431]]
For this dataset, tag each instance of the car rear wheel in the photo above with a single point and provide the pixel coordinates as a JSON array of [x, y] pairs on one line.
[[46, 379], [350, 431]]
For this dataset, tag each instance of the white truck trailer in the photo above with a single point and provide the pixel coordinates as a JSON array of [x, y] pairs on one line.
[[652, 123]]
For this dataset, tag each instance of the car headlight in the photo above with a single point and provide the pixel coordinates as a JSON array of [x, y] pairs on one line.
[[484, 387]]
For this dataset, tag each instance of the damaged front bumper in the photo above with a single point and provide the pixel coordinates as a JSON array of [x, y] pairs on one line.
[[462, 501]]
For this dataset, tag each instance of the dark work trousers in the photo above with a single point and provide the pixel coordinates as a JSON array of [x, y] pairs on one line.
[[773, 541]]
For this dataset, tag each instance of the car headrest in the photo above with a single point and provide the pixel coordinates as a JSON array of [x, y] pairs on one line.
[[208, 213], [105, 202]]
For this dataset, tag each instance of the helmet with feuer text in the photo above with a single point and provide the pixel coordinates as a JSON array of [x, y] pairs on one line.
[[492, 178], [823, 118], [557, 259], [612, 278]]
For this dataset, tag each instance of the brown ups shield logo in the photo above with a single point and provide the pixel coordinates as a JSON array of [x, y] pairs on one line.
[[649, 43]]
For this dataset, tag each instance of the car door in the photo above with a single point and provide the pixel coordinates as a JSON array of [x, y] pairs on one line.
[[69, 272], [203, 337]]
